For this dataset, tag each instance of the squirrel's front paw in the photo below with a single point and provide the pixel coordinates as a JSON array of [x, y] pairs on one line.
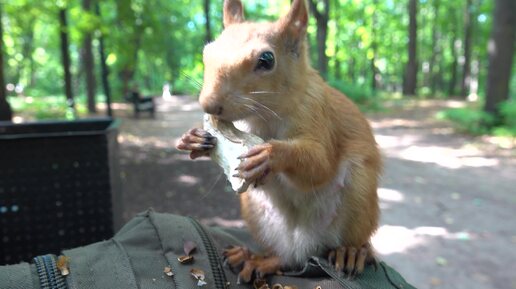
[[256, 164], [198, 141]]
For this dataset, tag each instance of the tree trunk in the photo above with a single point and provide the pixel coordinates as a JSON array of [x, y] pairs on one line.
[[435, 48], [337, 69], [337, 64], [128, 71], [32, 81], [501, 53], [88, 63], [322, 33], [375, 76], [337, 72], [127, 16], [27, 48], [468, 33], [351, 69], [208, 37], [455, 63], [439, 79], [410, 79], [6, 113], [65, 55], [104, 68]]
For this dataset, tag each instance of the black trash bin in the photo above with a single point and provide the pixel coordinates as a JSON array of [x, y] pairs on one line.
[[59, 186]]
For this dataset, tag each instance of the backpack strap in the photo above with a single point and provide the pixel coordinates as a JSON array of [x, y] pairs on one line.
[[382, 276], [19, 276]]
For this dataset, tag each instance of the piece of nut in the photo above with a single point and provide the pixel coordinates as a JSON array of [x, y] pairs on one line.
[[260, 284], [185, 259], [168, 271], [199, 275]]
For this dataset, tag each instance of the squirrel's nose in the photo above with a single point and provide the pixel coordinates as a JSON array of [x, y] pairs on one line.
[[212, 108]]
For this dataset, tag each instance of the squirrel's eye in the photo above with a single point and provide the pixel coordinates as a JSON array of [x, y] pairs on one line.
[[265, 62]]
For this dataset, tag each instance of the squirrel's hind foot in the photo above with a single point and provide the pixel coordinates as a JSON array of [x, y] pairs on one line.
[[249, 264], [350, 260]]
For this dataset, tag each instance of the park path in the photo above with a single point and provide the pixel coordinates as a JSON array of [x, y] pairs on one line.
[[448, 200]]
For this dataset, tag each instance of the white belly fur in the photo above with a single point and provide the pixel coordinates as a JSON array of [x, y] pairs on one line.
[[309, 231]]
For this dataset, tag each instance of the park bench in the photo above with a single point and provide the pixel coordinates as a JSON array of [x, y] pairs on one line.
[[141, 103]]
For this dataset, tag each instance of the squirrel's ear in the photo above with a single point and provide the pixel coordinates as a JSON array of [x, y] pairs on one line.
[[296, 20], [233, 12]]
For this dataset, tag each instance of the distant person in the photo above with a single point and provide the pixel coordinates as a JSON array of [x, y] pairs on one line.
[[166, 92]]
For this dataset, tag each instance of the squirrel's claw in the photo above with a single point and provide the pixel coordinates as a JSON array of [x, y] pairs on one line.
[[350, 260], [250, 264], [255, 150], [198, 141], [255, 164], [236, 256]]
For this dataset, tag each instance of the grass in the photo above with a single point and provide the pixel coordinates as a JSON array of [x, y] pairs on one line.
[[45, 108], [475, 121], [367, 99]]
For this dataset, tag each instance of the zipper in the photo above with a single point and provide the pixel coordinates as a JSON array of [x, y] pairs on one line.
[[332, 273], [48, 274], [213, 257]]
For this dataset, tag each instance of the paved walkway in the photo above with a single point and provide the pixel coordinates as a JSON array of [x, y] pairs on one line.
[[448, 201]]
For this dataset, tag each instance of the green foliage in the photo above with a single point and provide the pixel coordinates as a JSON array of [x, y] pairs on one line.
[[478, 122], [363, 96], [152, 42], [508, 115], [468, 120], [42, 108]]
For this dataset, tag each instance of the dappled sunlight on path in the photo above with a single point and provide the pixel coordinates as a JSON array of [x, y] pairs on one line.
[[448, 200]]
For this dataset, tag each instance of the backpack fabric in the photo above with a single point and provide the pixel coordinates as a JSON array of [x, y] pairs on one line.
[[145, 252]]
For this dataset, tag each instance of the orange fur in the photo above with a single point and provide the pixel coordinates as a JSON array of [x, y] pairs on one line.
[[311, 129]]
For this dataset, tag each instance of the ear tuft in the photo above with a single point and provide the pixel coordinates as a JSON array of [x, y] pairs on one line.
[[296, 20], [233, 12]]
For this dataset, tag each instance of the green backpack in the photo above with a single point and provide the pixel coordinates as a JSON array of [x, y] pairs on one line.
[[145, 253]]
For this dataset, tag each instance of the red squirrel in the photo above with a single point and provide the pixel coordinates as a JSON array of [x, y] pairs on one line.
[[317, 172]]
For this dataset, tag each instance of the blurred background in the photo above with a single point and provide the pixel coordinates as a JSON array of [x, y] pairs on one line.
[[435, 77], [371, 49]]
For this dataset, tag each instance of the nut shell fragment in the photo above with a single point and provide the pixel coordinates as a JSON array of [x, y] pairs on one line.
[[199, 275], [185, 259], [168, 271], [260, 284]]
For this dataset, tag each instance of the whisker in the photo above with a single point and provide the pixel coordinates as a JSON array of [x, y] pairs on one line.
[[212, 186], [196, 83], [263, 92], [263, 106], [254, 110], [251, 108]]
